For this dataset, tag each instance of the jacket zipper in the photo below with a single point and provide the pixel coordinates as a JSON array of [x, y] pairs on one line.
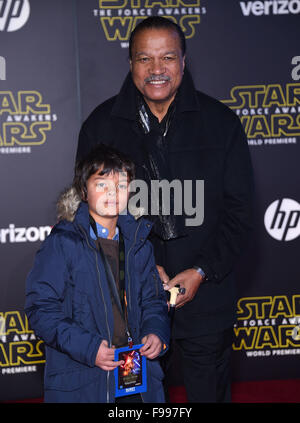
[[128, 274], [156, 283], [127, 262], [105, 308]]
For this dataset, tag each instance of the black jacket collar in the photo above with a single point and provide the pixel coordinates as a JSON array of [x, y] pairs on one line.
[[125, 104]]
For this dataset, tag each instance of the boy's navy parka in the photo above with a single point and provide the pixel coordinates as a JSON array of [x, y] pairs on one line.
[[69, 306]]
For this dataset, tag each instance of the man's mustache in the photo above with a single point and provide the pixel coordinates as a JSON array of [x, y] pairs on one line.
[[157, 78]]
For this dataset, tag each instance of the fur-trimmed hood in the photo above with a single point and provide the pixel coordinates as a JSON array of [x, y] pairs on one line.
[[67, 204]]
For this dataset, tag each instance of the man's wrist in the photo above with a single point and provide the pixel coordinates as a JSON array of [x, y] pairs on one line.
[[200, 271]]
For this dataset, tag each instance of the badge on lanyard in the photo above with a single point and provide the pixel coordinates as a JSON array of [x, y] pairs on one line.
[[130, 377]]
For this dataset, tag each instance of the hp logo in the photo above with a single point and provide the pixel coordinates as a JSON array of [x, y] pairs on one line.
[[13, 14], [282, 219]]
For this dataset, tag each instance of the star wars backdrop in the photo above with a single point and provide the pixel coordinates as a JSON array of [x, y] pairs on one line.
[[60, 59]]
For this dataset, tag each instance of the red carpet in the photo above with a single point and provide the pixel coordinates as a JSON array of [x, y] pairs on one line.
[[284, 391], [269, 391], [287, 391]]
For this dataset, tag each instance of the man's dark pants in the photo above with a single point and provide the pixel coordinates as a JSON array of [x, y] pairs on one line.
[[205, 365]]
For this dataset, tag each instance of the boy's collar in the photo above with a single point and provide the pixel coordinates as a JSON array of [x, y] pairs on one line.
[[126, 223], [102, 232]]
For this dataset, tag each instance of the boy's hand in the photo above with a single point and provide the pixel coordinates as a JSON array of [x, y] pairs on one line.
[[105, 357], [152, 346]]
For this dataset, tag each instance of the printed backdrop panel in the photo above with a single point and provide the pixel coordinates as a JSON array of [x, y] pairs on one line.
[[59, 60], [38, 130]]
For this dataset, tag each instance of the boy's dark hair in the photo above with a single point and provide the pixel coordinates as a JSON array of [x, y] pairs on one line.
[[102, 156], [157, 22]]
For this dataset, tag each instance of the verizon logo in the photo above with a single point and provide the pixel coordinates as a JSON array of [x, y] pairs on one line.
[[31, 234], [274, 7]]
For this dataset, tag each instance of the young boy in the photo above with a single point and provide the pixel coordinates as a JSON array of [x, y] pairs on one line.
[[94, 287]]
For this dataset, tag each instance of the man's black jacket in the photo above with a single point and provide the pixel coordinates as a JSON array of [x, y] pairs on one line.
[[206, 141]]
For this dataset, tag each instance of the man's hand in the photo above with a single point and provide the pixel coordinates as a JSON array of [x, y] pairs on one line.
[[152, 346], [105, 357], [188, 279]]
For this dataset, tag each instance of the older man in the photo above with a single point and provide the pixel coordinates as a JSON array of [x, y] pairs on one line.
[[173, 132]]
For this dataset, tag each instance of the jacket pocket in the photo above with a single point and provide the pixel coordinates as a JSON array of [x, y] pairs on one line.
[[71, 379], [80, 306], [154, 370], [155, 390], [82, 311]]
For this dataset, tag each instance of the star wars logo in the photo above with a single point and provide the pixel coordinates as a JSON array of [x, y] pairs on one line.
[[20, 350], [270, 113], [24, 121], [119, 17], [266, 326]]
